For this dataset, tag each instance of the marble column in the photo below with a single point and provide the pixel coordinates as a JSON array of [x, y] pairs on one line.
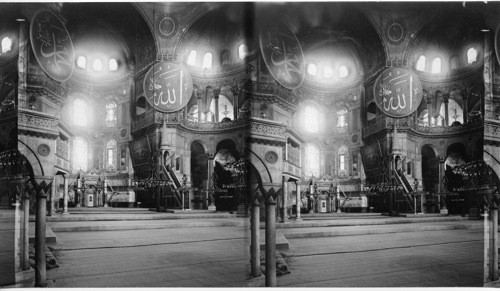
[[255, 240], [211, 185], [40, 228], [65, 195], [198, 103], [465, 104], [235, 104], [299, 202], [441, 161], [216, 105], [270, 242], [446, 98], [283, 199], [428, 100]]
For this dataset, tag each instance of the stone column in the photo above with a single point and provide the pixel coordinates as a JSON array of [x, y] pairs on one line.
[[52, 205], [299, 201], [428, 100], [210, 171], [17, 235], [337, 201], [446, 98], [198, 103], [66, 195], [255, 240], [216, 105], [77, 192], [283, 198], [441, 161], [105, 192], [270, 242], [40, 228], [494, 243], [235, 104], [465, 105], [25, 262]]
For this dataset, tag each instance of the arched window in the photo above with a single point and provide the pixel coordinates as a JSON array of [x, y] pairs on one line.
[[343, 161], [436, 66], [111, 114], [207, 61], [191, 61], [455, 63], [343, 72], [81, 62], [342, 119], [311, 122], [328, 72], [242, 51], [80, 112], [421, 63], [225, 57], [111, 154], [113, 65], [471, 55], [80, 154], [97, 65], [311, 161], [6, 44], [312, 69]]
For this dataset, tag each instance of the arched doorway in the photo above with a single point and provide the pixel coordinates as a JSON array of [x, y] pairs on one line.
[[226, 153], [430, 176], [199, 172]]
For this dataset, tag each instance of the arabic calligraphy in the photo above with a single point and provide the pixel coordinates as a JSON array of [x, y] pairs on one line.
[[168, 86], [283, 55], [398, 92], [52, 45]]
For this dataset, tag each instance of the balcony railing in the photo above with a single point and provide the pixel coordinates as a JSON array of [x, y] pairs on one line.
[[386, 123]]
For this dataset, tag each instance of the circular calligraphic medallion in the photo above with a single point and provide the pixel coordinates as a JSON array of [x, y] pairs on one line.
[[282, 55], [395, 33], [52, 45], [271, 157], [43, 150], [167, 26], [397, 92], [168, 86]]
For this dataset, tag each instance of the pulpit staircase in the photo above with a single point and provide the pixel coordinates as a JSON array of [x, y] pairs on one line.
[[172, 198], [407, 189]]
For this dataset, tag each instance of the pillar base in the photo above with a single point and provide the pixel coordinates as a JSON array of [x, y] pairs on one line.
[[65, 213], [338, 211], [78, 205], [298, 219], [106, 205], [211, 207], [443, 211]]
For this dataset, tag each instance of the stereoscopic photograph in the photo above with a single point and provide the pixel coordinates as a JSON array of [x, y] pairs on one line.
[[249, 144]]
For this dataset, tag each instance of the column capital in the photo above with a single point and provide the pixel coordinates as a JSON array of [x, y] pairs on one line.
[[216, 93], [210, 156]]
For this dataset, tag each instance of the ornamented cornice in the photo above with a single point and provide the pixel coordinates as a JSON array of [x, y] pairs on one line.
[[273, 93], [34, 123], [492, 131], [41, 83], [387, 124], [278, 143]]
